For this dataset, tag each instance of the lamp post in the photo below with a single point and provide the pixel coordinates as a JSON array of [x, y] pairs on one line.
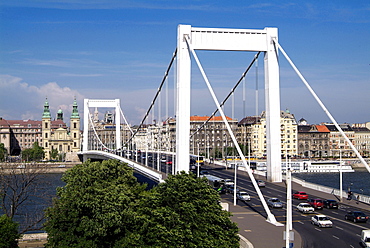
[[340, 177]]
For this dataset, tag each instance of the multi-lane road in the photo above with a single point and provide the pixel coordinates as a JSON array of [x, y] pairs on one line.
[[343, 233]]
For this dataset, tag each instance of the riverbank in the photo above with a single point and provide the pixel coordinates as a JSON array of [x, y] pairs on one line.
[[41, 167]]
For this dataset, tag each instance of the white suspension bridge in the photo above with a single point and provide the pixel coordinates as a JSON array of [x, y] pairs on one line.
[[163, 135]]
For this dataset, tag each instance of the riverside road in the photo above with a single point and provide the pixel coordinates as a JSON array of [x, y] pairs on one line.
[[251, 217]]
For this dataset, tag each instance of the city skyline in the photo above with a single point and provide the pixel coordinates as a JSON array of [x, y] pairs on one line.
[[120, 49]]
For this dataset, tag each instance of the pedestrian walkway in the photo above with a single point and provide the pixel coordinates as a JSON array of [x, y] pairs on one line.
[[259, 232]]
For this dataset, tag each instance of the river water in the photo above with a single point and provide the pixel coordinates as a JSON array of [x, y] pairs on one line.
[[35, 205], [358, 181]]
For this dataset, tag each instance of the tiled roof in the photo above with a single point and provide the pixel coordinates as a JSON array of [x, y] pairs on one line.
[[249, 120], [204, 118], [304, 128], [322, 129]]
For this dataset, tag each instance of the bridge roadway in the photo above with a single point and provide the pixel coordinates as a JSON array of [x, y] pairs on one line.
[[251, 218]]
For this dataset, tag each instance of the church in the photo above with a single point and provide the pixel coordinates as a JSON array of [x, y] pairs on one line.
[[56, 135]]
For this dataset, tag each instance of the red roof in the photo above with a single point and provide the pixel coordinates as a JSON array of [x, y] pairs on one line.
[[322, 129], [204, 118]]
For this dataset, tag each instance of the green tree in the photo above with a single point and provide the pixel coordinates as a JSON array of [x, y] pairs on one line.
[[8, 232], [3, 152], [54, 153], [185, 212], [36, 153], [96, 207]]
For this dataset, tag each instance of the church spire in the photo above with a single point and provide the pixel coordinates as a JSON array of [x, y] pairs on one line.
[[46, 113], [75, 110]]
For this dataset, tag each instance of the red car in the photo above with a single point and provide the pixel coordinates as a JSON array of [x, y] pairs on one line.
[[316, 203], [301, 195]]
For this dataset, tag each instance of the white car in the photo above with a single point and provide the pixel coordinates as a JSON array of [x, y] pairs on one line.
[[321, 221], [305, 207], [274, 202], [227, 182], [243, 196]]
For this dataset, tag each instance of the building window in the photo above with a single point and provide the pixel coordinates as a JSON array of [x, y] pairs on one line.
[[74, 135], [60, 147], [74, 144], [46, 144], [46, 135], [46, 125]]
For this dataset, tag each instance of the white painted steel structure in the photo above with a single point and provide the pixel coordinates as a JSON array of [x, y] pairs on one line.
[[222, 39], [95, 103]]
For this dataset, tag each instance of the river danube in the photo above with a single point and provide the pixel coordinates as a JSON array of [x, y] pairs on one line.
[[358, 181]]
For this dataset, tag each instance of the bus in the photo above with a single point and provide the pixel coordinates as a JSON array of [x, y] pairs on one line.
[[195, 160]]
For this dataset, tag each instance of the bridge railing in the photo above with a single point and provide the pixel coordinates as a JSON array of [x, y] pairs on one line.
[[329, 190]]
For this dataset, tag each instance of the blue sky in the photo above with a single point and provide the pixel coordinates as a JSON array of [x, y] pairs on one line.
[[121, 49]]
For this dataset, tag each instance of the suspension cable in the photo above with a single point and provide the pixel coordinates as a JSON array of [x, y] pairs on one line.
[[230, 93], [156, 96]]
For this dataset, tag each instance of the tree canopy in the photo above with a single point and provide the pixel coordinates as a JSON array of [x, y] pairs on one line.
[[36, 153], [8, 232], [3, 152], [103, 205]]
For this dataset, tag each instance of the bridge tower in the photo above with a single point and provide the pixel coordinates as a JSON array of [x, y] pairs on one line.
[[223, 39], [94, 103]]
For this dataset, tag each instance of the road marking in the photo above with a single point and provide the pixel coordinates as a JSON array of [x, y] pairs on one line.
[[351, 246], [335, 237], [318, 229], [300, 222], [339, 228], [335, 213], [248, 230]]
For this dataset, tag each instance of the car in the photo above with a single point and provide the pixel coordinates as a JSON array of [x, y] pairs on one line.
[[169, 162], [301, 195], [330, 203], [230, 189], [243, 196], [227, 182], [321, 221], [204, 172], [261, 183], [305, 207], [356, 216], [274, 203], [316, 203]]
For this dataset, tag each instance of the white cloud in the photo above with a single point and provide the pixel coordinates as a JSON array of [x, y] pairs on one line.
[[20, 100]]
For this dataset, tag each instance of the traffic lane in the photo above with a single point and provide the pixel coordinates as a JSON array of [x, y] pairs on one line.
[[343, 232]]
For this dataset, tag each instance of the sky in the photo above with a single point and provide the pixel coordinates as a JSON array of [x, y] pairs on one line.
[[120, 49]]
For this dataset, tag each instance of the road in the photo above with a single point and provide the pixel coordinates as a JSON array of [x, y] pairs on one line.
[[342, 234]]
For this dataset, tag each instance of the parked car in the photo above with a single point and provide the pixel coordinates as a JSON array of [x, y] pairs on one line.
[[274, 203], [321, 221], [243, 196], [330, 204], [305, 207], [301, 195], [356, 216], [261, 183], [316, 203]]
